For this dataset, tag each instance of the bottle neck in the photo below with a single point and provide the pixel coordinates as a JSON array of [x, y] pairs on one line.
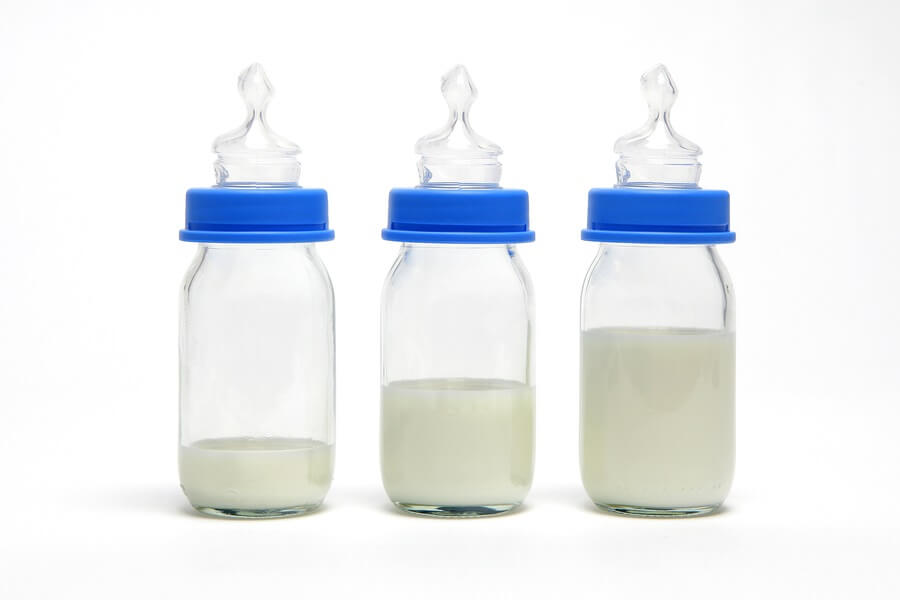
[[288, 248], [243, 257], [461, 254], [670, 253], [453, 247]]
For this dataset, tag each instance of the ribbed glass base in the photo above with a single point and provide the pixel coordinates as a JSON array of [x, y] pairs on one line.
[[655, 512], [425, 510], [263, 513]]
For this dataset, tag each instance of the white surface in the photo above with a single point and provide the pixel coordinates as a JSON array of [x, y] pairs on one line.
[[107, 113]]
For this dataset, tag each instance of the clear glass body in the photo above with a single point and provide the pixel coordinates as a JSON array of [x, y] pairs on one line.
[[457, 407], [256, 380], [657, 380]]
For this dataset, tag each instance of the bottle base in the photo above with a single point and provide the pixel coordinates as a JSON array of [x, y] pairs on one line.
[[456, 512], [659, 513], [261, 513]]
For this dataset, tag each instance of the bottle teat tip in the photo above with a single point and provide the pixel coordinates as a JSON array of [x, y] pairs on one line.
[[255, 87], [458, 89], [659, 89]]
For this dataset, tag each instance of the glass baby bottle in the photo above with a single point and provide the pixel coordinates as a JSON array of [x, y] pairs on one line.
[[657, 329], [457, 327], [257, 329]]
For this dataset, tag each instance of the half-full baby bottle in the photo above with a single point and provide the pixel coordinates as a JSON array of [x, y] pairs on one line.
[[257, 329], [657, 329], [457, 329]]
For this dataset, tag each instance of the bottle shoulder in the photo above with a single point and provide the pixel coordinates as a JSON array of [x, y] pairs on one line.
[[289, 269], [484, 276], [676, 267], [458, 266], [658, 286]]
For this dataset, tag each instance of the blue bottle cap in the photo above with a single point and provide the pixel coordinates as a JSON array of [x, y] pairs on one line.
[[256, 215], [658, 216], [458, 216]]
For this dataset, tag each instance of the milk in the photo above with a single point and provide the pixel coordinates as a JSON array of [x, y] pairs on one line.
[[657, 418], [457, 442], [256, 474]]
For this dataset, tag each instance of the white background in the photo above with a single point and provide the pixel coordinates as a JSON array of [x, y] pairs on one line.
[[107, 112]]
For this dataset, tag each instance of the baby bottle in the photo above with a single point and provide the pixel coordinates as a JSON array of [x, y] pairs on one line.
[[657, 328], [257, 329], [457, 329]]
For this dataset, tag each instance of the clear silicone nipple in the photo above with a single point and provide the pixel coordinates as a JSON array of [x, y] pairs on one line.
[[254, 155], [656, 155], [455, 156]]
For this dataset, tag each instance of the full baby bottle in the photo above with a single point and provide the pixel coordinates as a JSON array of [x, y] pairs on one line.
[[257, 329], [657, 329], [457, 329]]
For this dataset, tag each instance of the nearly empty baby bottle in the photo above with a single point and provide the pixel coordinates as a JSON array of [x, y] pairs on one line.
[[657, 329], [457, 330], [257, 329]]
